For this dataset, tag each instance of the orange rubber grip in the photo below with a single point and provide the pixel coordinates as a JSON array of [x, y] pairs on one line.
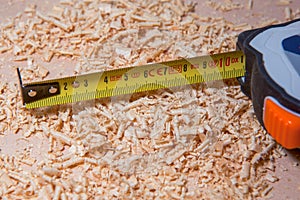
[[282, 123]]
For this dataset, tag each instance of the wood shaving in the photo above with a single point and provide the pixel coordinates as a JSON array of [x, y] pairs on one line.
[[250, 4], [224, 6], [283, 2], [288, 13], [194, 142]]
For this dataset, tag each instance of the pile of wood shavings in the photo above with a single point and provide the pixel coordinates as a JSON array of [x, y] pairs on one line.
[[199, 141]]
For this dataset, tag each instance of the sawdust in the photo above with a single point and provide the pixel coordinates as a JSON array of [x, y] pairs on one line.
[[200, 141]]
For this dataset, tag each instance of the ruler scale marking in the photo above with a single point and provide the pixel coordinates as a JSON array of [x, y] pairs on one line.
[[138, 79]]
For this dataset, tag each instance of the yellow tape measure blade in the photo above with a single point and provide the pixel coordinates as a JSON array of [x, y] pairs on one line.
[[143, 78]]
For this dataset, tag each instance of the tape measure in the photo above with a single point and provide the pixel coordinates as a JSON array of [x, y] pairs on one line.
[[133, 79], [272, 79], [267, 64]]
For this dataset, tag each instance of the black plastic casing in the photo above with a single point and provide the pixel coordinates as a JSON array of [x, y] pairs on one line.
[[257, 84]]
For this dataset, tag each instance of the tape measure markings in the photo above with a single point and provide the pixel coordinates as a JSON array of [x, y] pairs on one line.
[[142, 78]]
